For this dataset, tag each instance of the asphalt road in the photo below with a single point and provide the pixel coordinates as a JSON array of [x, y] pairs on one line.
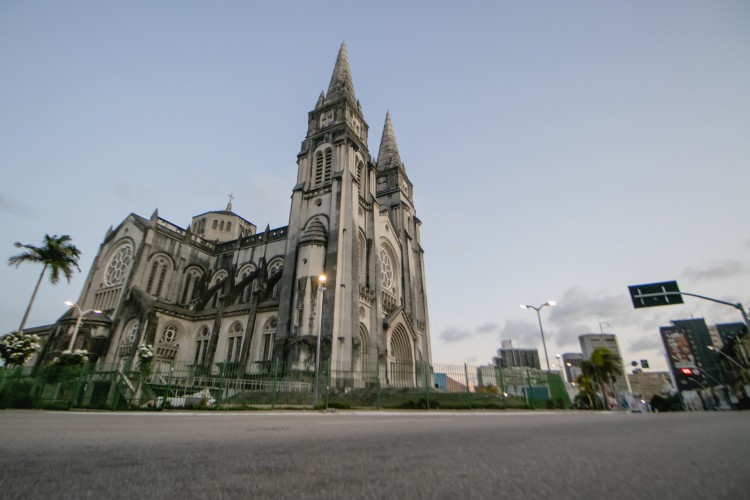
[[374, 455]]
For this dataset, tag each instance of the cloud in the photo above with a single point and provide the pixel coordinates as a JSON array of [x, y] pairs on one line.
[[10, 206], [457, 334], [524, 333], [715, 271], [454, 334], [488, 328], [646, 343], [577, 306]]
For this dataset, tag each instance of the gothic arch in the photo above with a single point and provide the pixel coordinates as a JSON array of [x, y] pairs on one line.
[[193, 275], [268, 335], [159, 269], [401, 357], [244, 272], [322, 165], [215, 291], [360, 171], [234, 341]]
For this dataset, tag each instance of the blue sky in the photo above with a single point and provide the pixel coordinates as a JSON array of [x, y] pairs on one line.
[[559, 150]]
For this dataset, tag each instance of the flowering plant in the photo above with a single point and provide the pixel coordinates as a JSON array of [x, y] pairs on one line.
[[145, 353], [16, 348], [74, 358]]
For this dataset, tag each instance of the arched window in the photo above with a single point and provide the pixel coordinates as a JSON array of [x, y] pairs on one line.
[[273, 268], [229, 226], [202, 345], [361, 176], [247, 290], [362, 259], [190, 289], [323, 163], [132, 332], [234, 342], [215, 224], [119, 265], [269, 331], [218, 276], [387, 270], [158, 276]]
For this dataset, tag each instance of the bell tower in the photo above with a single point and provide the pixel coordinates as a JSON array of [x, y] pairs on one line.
[[333, 166]]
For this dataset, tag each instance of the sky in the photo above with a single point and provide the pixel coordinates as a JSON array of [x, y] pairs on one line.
[[558, 150]]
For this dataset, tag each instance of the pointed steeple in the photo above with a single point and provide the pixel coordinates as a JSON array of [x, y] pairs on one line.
[[341, 79], [321, 98], [388, 155]]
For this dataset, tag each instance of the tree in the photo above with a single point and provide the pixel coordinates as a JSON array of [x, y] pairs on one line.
[[602, 368], [57, 253], [586, 390]]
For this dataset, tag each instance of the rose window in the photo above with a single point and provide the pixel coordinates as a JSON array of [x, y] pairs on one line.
[[118, 265], [169, 335]]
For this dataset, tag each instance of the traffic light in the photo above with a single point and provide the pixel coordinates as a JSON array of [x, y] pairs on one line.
[[690, 372]]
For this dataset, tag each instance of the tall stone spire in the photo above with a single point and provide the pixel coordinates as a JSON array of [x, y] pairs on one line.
[[388, 155], [341, 80]]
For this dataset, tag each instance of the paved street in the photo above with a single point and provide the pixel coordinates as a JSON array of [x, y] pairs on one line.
[[374, 455]]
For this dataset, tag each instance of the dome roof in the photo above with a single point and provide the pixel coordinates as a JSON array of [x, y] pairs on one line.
[[315, 233]]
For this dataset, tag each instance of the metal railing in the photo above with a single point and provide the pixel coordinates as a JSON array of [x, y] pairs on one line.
[[270, 385]]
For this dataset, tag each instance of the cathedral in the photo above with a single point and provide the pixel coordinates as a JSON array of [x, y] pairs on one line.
[[342, 283]]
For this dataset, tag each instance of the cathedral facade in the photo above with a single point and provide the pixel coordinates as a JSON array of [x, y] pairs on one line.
[[345, 278]]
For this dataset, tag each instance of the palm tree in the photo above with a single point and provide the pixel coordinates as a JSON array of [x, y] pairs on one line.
[[586, 388], [57, 253], [603, 367]]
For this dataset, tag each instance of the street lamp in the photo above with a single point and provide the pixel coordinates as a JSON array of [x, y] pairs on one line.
[[539, 316], [561, 366], [713, 348], [321, 289], [79, 320]]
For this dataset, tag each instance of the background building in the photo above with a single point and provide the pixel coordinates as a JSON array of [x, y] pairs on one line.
[[687, 343], [646, 385], [514, 357], [572, 362]]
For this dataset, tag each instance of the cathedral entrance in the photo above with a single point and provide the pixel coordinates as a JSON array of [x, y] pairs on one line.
[[401, 359]]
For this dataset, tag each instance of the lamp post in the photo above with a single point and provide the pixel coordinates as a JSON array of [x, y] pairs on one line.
[[79, 320], [601, 329], [539, 316], [713, 348], [561, 366], [321, 289]]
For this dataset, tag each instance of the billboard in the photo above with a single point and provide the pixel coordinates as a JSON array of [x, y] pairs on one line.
[[678, 348]]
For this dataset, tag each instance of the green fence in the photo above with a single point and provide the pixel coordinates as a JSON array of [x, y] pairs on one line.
[[272, 386]]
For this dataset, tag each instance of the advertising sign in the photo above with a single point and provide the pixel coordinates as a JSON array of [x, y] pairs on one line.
[[678, 348]]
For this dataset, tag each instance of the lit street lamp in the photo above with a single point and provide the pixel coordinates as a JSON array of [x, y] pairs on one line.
[[79, 320], [321, 290], [537, 309]]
